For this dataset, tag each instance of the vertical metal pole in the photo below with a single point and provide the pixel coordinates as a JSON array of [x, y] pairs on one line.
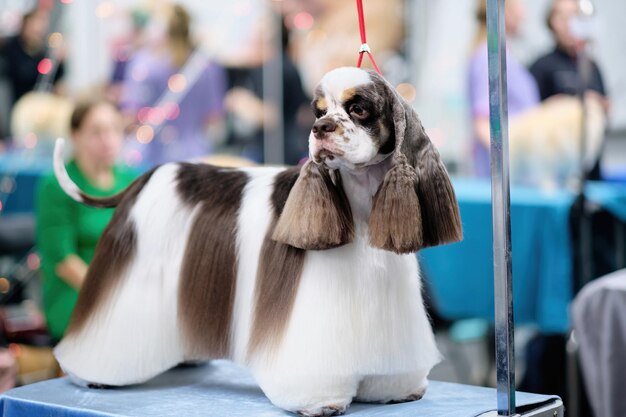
[[573, 382], [584, 68], [499, 126]]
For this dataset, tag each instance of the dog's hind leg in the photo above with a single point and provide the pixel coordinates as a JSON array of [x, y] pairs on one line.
[[131, 333]]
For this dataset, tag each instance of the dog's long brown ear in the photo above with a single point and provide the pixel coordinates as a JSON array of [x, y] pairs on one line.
[[317, 213], [415, 206]]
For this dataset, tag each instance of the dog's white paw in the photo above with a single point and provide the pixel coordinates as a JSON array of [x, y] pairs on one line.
[[416, 396], [391, 389], [329, 410], [310, 395]]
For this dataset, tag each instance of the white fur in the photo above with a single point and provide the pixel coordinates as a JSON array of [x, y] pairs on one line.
[[340, 79], [134, 335], [255, 214], [64, 179]]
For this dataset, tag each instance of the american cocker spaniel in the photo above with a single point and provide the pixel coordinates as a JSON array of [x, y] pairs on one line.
[[307, 276]]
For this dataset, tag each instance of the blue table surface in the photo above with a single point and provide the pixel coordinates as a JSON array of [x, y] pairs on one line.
[[224, 389]]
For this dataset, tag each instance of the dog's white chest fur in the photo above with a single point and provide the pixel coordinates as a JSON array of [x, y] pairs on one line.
[[358, 309]]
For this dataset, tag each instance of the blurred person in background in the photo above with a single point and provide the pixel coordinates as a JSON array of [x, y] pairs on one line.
[[181, 129], [557, 71], [24, 55], [67, 231], [523, 93], [247, 111], [124, 49]]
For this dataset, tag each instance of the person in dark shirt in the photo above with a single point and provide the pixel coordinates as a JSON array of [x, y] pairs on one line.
[[24, 53], [245, 104], [557, 72]]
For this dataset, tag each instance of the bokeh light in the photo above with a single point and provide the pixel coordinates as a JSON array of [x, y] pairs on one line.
[[143, 114], [156, 116], [407, 91], [145, 134], [303, 21], [44, 66], [33, 261], [55, 40], [177, 83], [67, 1], [5, 285]]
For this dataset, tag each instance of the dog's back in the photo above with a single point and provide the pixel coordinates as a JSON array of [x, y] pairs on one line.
[[162, 286]]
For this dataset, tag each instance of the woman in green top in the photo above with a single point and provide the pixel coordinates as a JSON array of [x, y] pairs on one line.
[[67, 232]]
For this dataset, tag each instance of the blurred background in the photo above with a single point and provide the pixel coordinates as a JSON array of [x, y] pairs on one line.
[[139, 83]]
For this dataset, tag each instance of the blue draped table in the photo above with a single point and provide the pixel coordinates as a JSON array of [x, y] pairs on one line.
[[223, 389], [460, 275]]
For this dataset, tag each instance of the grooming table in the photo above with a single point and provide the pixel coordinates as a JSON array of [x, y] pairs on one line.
[[220, 389]]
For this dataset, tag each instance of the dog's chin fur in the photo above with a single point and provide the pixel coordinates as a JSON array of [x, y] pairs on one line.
[[356, 168]]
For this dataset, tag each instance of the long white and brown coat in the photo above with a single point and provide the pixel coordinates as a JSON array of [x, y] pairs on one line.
[[274, 268]]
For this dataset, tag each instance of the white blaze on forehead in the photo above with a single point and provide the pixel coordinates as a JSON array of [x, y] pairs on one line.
[[336, 81]]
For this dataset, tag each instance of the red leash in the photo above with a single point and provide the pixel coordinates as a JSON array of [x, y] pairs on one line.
[[364, 46]]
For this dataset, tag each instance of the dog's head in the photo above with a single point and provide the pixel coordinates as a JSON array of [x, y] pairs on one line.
[[354, 124], [361, 121]]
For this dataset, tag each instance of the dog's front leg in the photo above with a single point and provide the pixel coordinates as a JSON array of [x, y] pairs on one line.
[[310, 395], [393, 388]]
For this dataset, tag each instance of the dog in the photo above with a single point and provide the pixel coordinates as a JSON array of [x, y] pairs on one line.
[[307, 276]]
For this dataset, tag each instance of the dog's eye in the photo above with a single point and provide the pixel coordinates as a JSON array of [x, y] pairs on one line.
[[358, 111]]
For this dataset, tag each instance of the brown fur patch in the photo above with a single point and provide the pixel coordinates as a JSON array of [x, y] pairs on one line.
[[278, 276], [347, 94], [317, 214], [209, 269], [114, 250], [321, 104]]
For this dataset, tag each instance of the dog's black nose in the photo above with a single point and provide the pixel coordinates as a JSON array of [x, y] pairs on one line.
[[322, 127]]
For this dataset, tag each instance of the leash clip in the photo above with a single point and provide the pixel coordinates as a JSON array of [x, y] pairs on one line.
[[365, 48]]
